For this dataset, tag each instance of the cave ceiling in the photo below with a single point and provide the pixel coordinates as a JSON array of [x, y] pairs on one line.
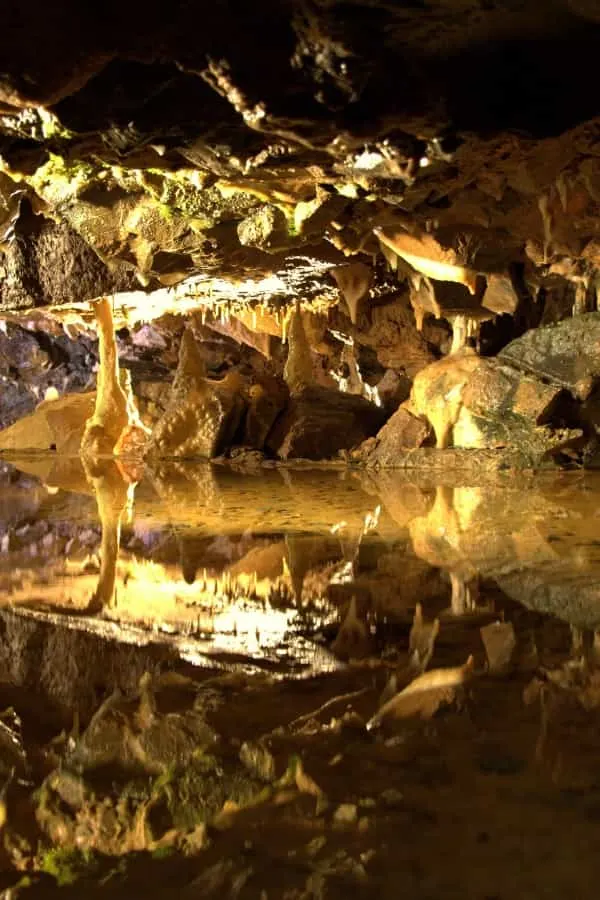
[[143, 147]]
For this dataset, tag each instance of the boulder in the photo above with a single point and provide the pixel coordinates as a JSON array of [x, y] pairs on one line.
[[402, 432], [54, 425], [565, 354], [319, 422]]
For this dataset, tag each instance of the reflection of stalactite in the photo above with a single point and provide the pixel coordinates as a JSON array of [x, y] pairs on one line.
[[113, 498]]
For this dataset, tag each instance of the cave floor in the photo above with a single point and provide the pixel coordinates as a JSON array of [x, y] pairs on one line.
[[190, 665]]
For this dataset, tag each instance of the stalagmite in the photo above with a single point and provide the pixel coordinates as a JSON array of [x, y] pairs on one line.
[[544, 208], [110, 417], [437, 392]]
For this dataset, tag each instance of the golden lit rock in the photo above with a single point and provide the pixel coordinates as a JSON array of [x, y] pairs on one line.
[[298, 372], [438, 390], [427, 256], [53, 425]]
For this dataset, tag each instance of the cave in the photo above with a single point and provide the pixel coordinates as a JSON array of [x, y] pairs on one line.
[[299, 449]]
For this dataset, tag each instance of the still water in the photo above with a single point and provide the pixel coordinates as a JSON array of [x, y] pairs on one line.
[[150, 616]]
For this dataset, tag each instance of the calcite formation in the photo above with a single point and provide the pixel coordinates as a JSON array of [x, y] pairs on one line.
[[202, 414], [105, 427]]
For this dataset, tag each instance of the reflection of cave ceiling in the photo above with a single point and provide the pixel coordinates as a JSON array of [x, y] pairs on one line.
[[229, 139]]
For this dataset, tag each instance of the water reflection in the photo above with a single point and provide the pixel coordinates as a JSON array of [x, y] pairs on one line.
[[258, 564]]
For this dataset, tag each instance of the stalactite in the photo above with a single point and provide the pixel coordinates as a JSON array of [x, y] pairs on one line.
[[298, 371]]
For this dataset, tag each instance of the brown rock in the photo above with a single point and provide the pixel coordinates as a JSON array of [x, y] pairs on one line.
[[267, 399], [402, 432], [319, 422]]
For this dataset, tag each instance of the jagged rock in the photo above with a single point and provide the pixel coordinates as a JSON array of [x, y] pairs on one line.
[[202, 414], [54, 425], [400, 433], [565, 354], [51, 263], [319, 422], [393, 389], [267, 398]]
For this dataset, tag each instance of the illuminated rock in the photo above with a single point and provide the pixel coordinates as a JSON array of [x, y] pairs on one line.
[[438, 389], [564, 354], [298, 371], [401, 432], [54, 425], [427, 256], [202, 415]]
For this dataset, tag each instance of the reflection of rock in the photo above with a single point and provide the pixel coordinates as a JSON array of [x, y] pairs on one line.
[[318, 422], [202, 415]]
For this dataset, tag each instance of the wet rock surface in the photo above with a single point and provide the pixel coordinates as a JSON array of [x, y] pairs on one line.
[[133, 751]]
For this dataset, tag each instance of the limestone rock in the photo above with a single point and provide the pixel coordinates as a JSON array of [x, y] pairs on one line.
[[400, 433], [318, 422], [500, 296], [565, 353], [202, 415]]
